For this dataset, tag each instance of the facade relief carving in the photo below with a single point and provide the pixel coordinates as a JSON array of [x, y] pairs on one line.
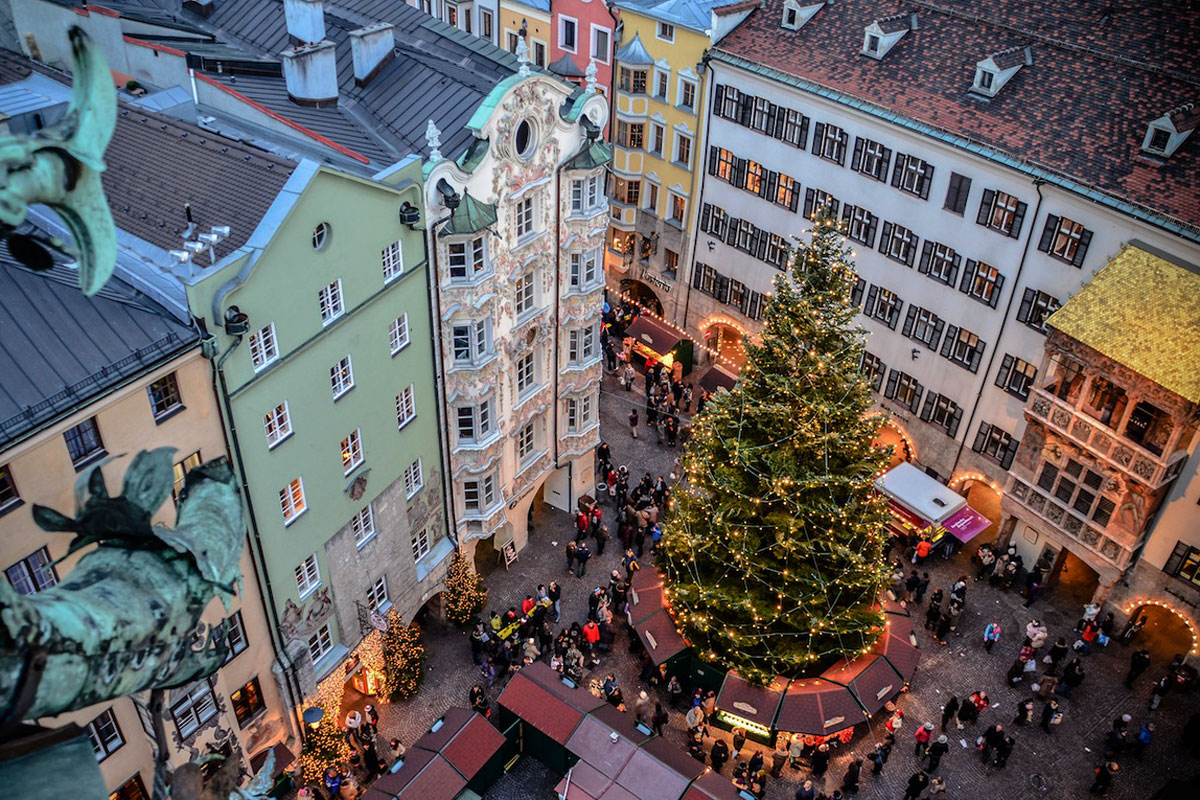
[[299, 621]]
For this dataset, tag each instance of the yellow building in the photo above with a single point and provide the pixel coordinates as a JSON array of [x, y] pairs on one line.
[[659, 91], [532, 19], [88, 379]]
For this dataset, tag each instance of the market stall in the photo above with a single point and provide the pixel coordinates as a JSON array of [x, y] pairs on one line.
[[718, 378], [650, 618], [922, 506], [649, 338], [424, 776], [897, 643], [872, 679], [752, 707], [540, 711], [711, 786], [470, 743], [819, 709]]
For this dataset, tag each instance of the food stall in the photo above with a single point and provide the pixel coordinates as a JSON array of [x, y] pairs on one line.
[[648, 337], [820, 710], [650, 618], [752, 707], [541, 711], [922, 506]]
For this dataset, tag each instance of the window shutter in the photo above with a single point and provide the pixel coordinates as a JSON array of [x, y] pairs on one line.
[[926, 253], [739, 173], [884, 161], [894, 314], [893, 376], [856, 159], [731, 230], [1009, 452], [818, 137], [809, 198], [721, 290], [1048, 233], [847, 210], [954, 269], [871, 231], [886, 237], [1177, 557], [927, 409], [981, 437], [968, 276], [1005, 369], [1018, 220], [780, 119], [926, 180], [978, 354], [771, 186], [985, 206], [843, 140], [697, 273], [872, 297], [954, 422], [909, 319], [794, 197], [999, 286], [1026, 305], [937, 334], [803, 143], [714, 155], [758, 243], [834, 205], [898, 168], [857, 292], [1085, 239], [916, 401], [706, 217], [912, 254], [948, 342], [745, 109]]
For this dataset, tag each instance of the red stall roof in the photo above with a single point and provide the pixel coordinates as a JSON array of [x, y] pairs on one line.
[[896, 644], [872, 679], [424, 776], [817, 707], [542, 708], [754, 703], [712, 786]]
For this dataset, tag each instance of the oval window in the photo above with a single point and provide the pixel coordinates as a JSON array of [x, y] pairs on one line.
[[524, 139], [320, 236]]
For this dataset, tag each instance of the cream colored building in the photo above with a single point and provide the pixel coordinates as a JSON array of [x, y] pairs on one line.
[[87, 380]]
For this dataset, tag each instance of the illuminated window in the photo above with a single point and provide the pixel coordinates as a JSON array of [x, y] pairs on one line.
[[291, 501], [352, 451], [406, 407], [181, 470], [263, 350], [341, 377], [247, 702], [329, 298], [277, 424], [164, 397]]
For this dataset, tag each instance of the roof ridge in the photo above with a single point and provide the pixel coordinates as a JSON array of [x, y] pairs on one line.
[[188, 128]]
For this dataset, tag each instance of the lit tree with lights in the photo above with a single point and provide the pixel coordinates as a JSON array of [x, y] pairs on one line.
[[465, 594], [773, 552]]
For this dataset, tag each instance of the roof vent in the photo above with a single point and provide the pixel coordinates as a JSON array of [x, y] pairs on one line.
[[372, 48], [797, 13], [998, 69], [881, 35], [1165, 134], [305, 20], [310, 72]]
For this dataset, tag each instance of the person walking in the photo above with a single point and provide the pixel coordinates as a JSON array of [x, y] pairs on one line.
[[719, 754], [937, 788], [991, 635], [992, 738], [570, 549], [923, 735], [1051, 715], [1138, 663], [1161, 688], [633, 421], [1104, 778], [1142, 740], [779, 757], [820, 761], [1073, 675], [879, 757], [554, 595], [916, 785], [948, 712], [936, 751], [1004, 750], [1024, 713], [660, 719], [582, 554], [806, 790], [853, 773]]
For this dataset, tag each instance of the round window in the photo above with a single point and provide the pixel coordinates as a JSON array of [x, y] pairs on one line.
[[524, 139], [320, 236]]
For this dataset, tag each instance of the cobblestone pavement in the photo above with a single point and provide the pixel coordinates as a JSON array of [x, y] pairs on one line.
[[1054, 765]]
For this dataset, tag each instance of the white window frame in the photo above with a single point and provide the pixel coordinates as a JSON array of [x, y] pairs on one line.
[[196, 707], [1003, 213], [672, 198], [363, 526], [398, 335], [662, 81], [912, 174], [658, 139], [586, 194], [584, 270], [414, 479], [472, 262], [563, 21], [264, 347], [901, 244], [526, 372], [406, 406], [105, 745], [582, 345], [481, 419], [963, 349], [329, 300], [421, 544], [478, 340], [580, 412], [1067, 236], [352, 451], [526, 217], [602, 55], [320, 644], [526, 441], [941, 262], [292, 501], [683, 84], [680, 140], [664, 31], [392, 260], [525, 287], [308, 576], [341, 377], [377, 595], [277, 425], [484, 490]]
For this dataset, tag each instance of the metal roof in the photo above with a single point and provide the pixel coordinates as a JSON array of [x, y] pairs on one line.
[[60, 350], [693, 14]]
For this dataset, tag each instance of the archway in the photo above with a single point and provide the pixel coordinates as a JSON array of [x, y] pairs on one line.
[[642, 295], [983, 495], [725, 338], [1073, 579], [1166, 631], [892, 435]]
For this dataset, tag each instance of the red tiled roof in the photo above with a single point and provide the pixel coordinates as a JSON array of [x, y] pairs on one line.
[[735, 8], [1080, 111], [471, 749], [539, 708]]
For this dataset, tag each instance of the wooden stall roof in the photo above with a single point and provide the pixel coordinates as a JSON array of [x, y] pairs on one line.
[[817, 707], [754, 703]]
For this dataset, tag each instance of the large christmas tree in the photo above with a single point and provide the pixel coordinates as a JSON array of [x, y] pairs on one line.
[[774, 550]]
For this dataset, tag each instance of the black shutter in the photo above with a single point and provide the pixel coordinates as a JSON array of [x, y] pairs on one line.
[[857, 292], [968, 276], [898, 168], [1009, 452], [912, 253], [771, 186], [834, 205], [809, 198], [871, 231], [758, 243], [1018, 220], [954, 422], [872, 297], [996, 292], [1048, 233], [948, 342], [794, 197], [818, 137], [1085, 239], [780, 119], [721, 289], [884, 160], [731, 230], [856, 159], [926, 180], [886, 237], [916, 401], [1182, 549], [714, 155], [954, 269], [745, 109], [706, 217], [909, 319], [698, 275], [1026, 305], [893, 376], [927, 409], [937, 334], [719, 99], [803, 143], [847, 210], [772, 116], [738, 177], [843, 140], [980, 346], [1005, 369], [985, 206], [894, 314], [981, 437], [926, 253]]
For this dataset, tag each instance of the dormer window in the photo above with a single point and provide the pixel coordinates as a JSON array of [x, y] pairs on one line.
[[996, 70], [797, 13], [985, 79], [1166, 134], [883, 34]]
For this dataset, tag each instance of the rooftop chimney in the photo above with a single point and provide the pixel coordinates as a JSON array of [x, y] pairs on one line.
[[310, 71], [372, 47], [305, 20]]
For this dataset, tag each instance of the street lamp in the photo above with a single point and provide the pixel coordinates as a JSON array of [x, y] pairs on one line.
[[313, 716]]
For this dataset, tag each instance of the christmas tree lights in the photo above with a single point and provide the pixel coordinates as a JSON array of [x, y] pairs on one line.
[[773, 552], [404, 655], [465, 594]]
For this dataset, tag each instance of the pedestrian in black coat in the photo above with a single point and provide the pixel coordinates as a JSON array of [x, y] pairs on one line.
[[948, 712], [820, 760], [850, 782], [1004, 750], [916, 784], [936, 751], [719, 754], [1138, 663]]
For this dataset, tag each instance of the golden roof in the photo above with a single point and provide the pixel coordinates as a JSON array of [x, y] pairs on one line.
[[1142, 311]]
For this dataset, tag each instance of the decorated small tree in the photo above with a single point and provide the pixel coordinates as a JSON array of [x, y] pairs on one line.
[[404, 656], [773, 552], [465, 593], [325, 744]]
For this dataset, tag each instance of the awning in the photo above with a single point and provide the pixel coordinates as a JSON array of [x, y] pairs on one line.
[[896, 645], [424, 776], [660, 637], [926, 497], [546, 710], [818, 708], [717, 378], [649, 332], [966, 524]]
